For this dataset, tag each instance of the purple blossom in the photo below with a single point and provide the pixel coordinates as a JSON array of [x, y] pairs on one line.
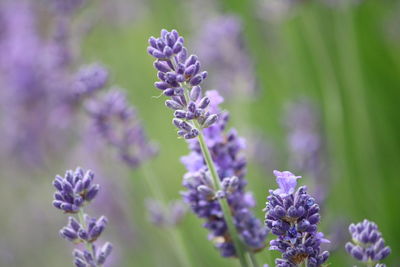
[[117, 123], [287, 182], [27, 98], [221, 46], [307, 151], [36, 82], [225, 148], [367, 243], [90, 79], [293, 218], [73, 191], [180, 78]]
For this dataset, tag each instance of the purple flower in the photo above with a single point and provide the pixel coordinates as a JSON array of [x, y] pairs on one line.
[[293, 218], [27, 96], [73, 191], [368, 244], [180, 78], [287, 182], [221, 46], [90, 79], [117, 123], [36, 84], [75, 232], [226, 148], [307, 152]]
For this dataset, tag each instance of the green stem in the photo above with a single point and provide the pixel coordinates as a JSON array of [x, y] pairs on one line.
[[240, 251], [154, 188], [82, 221], [253, 259]]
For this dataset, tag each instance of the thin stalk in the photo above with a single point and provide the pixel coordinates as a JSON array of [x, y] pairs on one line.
[[222, 201], [253, 259], [81, 219], [175, 236]]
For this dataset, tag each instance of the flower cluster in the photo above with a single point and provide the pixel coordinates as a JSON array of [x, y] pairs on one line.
[[117, 123], [292, 215], [38, 86], [180, 78], [225, 148], [73, 191], [368, 244], [89, 79], [29, 96]]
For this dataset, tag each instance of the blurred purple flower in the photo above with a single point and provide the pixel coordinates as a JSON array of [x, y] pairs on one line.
[[89, 79], [35, 73], [118, 124], [221, 47], [367, 243], [307, 151]]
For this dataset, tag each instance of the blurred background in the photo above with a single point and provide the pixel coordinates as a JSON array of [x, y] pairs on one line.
[[313, 86]]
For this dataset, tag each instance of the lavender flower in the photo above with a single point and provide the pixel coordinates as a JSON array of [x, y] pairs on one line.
[[368, 245], [180, 79], [90, 79], [117, 123], [293, 217], [165, 217], [25, 92], [36, 82], [220, 45], [307, 150], [73, 191], [179, 72], [231, 166]]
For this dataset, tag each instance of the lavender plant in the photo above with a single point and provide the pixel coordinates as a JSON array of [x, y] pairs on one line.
[[368, 245], [215, 180], [117, 123], [74, 191], [293, 215], [307, 151], [37, 79], [88, 80], [226, 148]]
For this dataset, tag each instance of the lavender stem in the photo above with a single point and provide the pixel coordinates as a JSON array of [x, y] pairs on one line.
[[223, 202], [155, 190], [82, 221], [253, 259]]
